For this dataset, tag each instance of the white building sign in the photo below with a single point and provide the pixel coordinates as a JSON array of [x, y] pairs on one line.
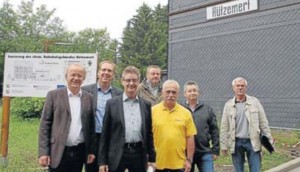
[[34, 74], [231, 8]]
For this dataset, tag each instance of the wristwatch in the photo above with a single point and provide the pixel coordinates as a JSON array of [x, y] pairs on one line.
[[189, 160]]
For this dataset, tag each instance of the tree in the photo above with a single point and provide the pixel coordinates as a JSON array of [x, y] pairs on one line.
[[160, 36], [32, 27], [98, 40], [144, 39], [27, 29]]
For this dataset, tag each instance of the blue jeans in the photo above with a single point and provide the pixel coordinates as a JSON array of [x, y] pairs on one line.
[[244, 147], [204, 163]]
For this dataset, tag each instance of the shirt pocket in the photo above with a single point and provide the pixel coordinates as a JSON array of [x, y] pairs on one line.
[[254, 116]]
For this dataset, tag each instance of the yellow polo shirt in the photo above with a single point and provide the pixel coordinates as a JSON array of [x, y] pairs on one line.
[[170, 130]]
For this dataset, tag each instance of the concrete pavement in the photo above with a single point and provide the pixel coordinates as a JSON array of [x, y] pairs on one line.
[[291, 166]]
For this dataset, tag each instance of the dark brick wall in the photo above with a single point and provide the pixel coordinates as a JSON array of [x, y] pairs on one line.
[[263, 46]]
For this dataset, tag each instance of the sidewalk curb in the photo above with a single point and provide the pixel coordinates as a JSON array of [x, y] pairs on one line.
[[286, 166]]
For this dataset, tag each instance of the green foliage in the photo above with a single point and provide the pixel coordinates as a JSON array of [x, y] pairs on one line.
[[27, 107], [25, 29], [294, 137], [145, 38], [86, 41], [36, 29], [22, 145], [30, 29]]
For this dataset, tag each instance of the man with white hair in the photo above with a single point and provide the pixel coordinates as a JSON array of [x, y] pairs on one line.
[[243, 121], [173, 131], [67, 128]]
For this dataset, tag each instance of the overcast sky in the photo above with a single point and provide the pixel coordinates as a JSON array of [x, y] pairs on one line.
[[80, 14]]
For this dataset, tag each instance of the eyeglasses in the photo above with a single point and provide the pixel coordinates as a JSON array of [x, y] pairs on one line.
[[131, 80]]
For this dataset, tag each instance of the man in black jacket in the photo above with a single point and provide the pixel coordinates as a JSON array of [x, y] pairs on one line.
[[127, 138], [207, 129]]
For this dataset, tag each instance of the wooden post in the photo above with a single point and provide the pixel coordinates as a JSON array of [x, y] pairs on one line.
[[4, 130], [46, 45]]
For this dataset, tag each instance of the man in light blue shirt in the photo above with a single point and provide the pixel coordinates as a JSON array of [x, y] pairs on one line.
[[101, 91]]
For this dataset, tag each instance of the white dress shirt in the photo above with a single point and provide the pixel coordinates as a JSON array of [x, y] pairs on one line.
[[75, 136]]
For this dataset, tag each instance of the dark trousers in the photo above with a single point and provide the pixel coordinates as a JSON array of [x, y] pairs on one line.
[[72, 159], [132, 160], [93, 167]]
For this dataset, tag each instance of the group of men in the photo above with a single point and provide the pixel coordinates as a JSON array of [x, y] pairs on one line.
[[143, 126]]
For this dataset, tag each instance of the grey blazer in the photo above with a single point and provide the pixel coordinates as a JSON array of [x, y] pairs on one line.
[[113, 133], [55, 124]]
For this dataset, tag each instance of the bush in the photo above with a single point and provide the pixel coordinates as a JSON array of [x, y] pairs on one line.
[[26, 107]]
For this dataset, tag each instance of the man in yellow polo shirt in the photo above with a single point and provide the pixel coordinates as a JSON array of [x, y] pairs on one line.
[[173, 132]]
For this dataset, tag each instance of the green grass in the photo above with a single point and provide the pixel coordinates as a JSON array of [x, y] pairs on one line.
[[285, 139], [23, 144]]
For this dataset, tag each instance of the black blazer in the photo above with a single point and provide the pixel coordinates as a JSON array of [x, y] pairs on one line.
[[113, 133]]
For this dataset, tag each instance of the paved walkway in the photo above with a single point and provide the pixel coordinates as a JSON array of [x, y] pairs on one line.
[[297, 169], [291, 166]]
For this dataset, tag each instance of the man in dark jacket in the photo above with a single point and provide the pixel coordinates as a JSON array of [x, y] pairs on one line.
[[207, 129], [127, 138], [67, 129], [101, 91]]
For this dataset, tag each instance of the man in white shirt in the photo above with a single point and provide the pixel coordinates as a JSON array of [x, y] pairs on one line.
[[67, 126]]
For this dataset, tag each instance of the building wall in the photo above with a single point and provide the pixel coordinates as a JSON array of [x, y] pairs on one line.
[[262, 46]]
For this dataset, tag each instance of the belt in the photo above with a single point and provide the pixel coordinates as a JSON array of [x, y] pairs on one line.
[[246, 139], [98, 135], [133, 145], [74, 148]]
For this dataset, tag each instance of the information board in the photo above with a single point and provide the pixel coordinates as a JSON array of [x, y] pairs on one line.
[[34, 74]]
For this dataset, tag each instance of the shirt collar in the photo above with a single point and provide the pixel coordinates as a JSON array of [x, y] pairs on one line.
[[189, 104], [70, 94], [240, 101], [100, 89], [165, 108], [150, 86], [125, 98]]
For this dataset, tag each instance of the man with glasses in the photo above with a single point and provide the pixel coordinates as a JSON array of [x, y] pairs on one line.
[[127, 139]]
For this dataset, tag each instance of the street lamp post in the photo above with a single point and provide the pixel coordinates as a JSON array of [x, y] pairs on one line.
[[47, 43]]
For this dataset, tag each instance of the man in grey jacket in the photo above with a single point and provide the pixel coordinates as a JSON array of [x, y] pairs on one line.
[[66, 135], [101, 91], [243, 120], [150, 89]]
